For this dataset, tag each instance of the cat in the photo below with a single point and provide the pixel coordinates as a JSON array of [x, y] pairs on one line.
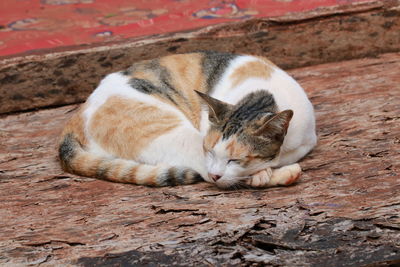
[[224, 118]]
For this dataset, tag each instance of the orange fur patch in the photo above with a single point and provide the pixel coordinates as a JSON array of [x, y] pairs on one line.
[[236, 149], [211, 139], [124, 127], [186, 76], [115, 171], [147, 74], [85, 164], [131, 174], [152, 178], [250, 69]]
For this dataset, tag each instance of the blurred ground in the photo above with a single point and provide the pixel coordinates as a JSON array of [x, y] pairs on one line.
[[31, 25]]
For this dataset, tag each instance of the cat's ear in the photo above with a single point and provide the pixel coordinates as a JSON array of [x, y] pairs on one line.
[[217, 108], [276, 127]]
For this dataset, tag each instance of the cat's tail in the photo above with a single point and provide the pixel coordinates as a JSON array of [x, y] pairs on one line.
[[75, 159]]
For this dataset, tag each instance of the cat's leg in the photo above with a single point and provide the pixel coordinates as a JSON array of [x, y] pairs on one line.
[[283, 176], [261, 178]]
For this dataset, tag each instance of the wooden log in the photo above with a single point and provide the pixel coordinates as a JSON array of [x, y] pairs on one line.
[[52, 78], [343, 212]]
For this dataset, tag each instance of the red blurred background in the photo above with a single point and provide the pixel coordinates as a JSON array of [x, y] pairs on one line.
[[27, 25]]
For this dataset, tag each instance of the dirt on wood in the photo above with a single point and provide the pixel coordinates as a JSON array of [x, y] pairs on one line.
[[345, 211]]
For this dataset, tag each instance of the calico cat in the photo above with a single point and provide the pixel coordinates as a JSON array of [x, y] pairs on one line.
[[225, 118]]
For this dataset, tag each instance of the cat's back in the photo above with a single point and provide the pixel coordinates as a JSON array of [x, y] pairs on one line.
[[168, 82], [178, 75]]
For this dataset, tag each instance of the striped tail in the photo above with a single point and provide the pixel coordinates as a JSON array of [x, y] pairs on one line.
[[75, 159]]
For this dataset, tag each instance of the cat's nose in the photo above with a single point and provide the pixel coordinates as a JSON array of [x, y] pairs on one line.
[[215, 177]]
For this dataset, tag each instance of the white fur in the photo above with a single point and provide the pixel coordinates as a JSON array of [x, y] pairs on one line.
[[183, 146], [204, 123], [217, 159]]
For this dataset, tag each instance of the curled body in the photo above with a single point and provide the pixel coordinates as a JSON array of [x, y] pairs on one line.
[[224, 118]]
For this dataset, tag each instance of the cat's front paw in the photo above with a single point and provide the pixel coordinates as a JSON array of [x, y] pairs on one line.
[[260, 179], [283, 176], [286, 175]]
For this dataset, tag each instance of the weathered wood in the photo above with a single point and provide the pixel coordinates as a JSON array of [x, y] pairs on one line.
[[343, 212], [325, 35]]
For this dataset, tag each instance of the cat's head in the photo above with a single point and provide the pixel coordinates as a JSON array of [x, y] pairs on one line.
[[243, 138]]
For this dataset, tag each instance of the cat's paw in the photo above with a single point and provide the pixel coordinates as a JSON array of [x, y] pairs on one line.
[[286, 175], [260, 179]]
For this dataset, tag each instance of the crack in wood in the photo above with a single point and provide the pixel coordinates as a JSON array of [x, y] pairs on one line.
[[39, 244]]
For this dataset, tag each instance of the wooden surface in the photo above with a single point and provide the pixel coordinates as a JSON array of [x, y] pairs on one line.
[[53, 78], [343, 212]]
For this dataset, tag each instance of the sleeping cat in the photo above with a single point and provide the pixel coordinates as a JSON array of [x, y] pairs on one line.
[[225, 118]]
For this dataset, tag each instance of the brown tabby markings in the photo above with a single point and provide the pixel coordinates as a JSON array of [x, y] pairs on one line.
[[117, 171], [236, 149], [83, 162], [148, 75], [188, 176], [152, 177], [231, 147], [131, 173], [251, 69], [248, 159], [117, 127], [186, 75], [243, 152]]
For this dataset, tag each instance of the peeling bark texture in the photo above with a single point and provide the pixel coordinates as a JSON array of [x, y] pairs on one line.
[[343, 212], [50, 78]]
